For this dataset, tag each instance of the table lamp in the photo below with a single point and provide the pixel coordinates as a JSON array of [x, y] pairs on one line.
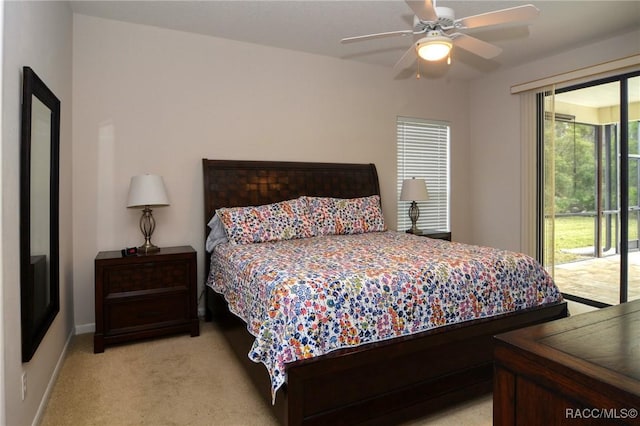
[[414, 190], [147, 191]]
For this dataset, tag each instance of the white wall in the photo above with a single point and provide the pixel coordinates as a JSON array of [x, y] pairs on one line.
[[149, 100], [495, 137], [37, 34]]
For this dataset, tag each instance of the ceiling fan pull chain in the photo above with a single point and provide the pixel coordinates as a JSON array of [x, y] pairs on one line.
[[418, 72]]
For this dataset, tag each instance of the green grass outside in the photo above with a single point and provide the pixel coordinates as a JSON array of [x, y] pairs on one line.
[[578, 231]]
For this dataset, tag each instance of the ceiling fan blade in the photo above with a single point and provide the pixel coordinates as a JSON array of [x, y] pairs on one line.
[[423, 9], [475, 46], [513, 14], [378, 35], [407, 59]]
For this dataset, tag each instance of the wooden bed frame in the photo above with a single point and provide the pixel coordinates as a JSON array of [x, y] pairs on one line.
[[377, 383]]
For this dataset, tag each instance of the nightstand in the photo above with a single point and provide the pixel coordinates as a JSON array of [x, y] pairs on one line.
[[138, 297], [438, 235]]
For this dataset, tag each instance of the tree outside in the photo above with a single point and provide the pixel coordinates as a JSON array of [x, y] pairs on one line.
[[574, 167]]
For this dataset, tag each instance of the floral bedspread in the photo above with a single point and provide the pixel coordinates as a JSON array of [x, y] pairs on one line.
[[306, 297]]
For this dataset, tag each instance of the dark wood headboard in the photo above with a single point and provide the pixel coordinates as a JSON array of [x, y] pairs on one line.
[[230, 183]]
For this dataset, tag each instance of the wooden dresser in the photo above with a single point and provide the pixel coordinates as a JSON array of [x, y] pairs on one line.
[[145, 296], [579, 370]]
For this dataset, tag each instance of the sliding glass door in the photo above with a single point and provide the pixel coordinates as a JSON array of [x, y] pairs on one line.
[[590, 175], [632, 118]]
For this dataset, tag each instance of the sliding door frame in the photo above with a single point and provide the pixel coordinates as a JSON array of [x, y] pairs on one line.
[[623, 183]]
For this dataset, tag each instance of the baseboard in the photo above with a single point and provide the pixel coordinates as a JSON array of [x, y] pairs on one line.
[[85, 328], [52, 382]]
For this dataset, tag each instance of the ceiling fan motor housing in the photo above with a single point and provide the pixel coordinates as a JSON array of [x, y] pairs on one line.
[[431, 34], [446, 20], [446, 17]]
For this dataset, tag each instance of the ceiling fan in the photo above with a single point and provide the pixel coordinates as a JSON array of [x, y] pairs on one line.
[[440, 31]]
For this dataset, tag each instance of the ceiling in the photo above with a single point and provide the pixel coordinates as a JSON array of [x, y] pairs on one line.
[[603, 95], [317, 26]]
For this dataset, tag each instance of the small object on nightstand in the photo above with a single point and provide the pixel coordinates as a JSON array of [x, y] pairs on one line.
[[129, 251], [137, 297]]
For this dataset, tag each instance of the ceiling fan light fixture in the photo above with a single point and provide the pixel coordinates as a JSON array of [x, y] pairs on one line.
[[434, 48]]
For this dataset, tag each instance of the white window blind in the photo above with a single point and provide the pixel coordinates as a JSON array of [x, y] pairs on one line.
[[423, 153]]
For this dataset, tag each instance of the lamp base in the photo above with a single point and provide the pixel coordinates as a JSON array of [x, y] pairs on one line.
[[147, 225], [414, 214], [148, 248]]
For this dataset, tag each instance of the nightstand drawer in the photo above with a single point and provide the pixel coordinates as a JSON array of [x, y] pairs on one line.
[[134, 312], [145, 276]]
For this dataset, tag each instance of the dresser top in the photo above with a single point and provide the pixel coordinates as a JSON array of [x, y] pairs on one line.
[[115, 254], [604, 343], [612, 343]]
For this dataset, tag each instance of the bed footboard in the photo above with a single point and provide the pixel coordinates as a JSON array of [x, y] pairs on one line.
[[385, 382]]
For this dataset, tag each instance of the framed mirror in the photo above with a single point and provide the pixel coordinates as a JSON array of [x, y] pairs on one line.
[[39, 175]]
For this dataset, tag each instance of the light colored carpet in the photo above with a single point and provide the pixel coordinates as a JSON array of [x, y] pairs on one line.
[[178, 380]]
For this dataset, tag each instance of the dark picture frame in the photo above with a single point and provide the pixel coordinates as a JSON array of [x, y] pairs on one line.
[[39, 203]]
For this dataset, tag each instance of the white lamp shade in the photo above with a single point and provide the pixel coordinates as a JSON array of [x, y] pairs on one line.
[[414, 190], [147, 190]]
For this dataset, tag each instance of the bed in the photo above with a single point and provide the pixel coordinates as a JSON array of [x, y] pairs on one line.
[[379, 382]]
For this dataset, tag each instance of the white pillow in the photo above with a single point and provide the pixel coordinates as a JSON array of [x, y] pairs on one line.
[[217, 235]]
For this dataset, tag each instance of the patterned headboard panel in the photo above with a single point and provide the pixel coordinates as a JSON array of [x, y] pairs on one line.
[[250, 183]]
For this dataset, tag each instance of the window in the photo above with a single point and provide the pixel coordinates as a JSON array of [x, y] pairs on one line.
[[423, 153]]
